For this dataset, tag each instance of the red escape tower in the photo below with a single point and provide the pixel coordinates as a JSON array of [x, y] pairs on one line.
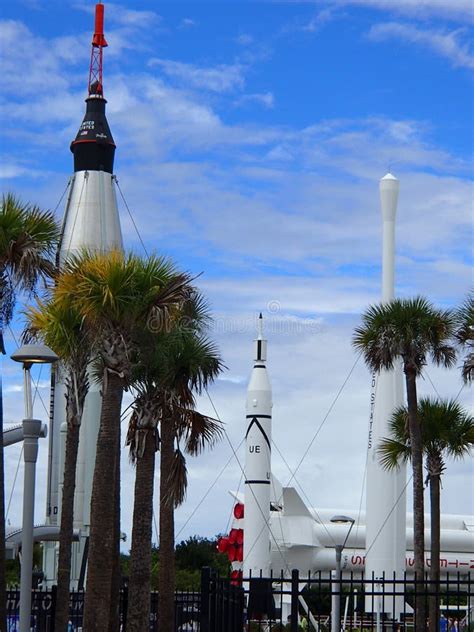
[[98, 43]]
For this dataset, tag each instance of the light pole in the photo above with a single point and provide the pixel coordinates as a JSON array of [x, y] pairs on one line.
[[29, 355], [336, 601]]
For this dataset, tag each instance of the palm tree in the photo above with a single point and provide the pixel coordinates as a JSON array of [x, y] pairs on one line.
[[447, 432], [62, 328], [181, 363], [465, 335], [28, 239], [413, 330], [117, 296]]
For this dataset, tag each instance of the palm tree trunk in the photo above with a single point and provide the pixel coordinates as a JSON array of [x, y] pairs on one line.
[[435, 549], [114, 619], [418, 503], [166, 569], [139, 585], [101, 543], [66, 529]]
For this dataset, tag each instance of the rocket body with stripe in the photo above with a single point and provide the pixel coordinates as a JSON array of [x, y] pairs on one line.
[[385, 497], [91, 221], [258, 464]]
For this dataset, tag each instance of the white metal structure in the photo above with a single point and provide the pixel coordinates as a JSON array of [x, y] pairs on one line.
[[385, 495], [258, 466]]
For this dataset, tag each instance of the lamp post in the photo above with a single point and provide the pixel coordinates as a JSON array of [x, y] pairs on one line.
[[29, 355], [336, 601]]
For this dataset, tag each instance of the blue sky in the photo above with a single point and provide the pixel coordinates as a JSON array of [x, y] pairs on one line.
[[250, 141]]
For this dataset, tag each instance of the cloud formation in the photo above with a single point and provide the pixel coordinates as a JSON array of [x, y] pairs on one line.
[[448, 44], [222, 78], [456, 10]]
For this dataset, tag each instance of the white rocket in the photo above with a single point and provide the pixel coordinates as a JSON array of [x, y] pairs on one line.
[[385, 494], [258, 466], [91, 221]]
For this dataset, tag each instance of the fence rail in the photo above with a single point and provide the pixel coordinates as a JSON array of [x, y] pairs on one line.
[[282, 603]]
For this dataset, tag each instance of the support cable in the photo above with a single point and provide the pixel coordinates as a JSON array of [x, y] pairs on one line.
[[310, 504], [389, 514], [131, 217], [86, 176], [333, 403], [63, 194], [196, 508], [210, 488]]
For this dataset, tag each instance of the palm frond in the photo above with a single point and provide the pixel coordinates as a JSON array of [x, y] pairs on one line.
[[197, 430], [177, 481], [412, 329], [464, 316], [393, 453], [446, 429], [28, 240]]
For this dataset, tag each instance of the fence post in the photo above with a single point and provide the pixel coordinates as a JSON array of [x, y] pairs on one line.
[[295, 591], [54, 592], [205, 584]]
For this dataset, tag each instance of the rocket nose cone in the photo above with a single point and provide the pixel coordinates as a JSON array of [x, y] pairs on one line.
[[389, 187], [389, 176]]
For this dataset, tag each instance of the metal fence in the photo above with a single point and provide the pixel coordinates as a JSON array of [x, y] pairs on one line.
[[282, 603], [295, 603], [43, 605]]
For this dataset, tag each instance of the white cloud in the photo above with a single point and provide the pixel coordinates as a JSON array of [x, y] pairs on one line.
[[187, 23], [123, 16], [222, 78], [459, 10], [446, 44], [42, 63], [263, 98], [320, 19]]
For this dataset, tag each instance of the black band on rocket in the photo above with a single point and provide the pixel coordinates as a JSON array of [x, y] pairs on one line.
[[259, 482], [258, 416]]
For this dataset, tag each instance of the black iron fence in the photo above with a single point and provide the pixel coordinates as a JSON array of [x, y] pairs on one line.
[[287, 603], [43, 606], [297, 603]]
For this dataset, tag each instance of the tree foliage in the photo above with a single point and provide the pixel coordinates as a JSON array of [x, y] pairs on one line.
[[465, 335]]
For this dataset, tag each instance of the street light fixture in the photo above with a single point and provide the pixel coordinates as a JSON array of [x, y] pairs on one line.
[[336, 602], [29, 355]]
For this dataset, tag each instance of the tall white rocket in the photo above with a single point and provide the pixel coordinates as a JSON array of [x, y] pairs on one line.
[[385, 501], [258, 464], [91, 221]]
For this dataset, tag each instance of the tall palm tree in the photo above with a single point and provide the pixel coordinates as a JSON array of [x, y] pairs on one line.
[[117, 296], [28, 239], [62, 328], [413, 330], [447, 432], [183, 362], [195, 368], [465, 335]]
